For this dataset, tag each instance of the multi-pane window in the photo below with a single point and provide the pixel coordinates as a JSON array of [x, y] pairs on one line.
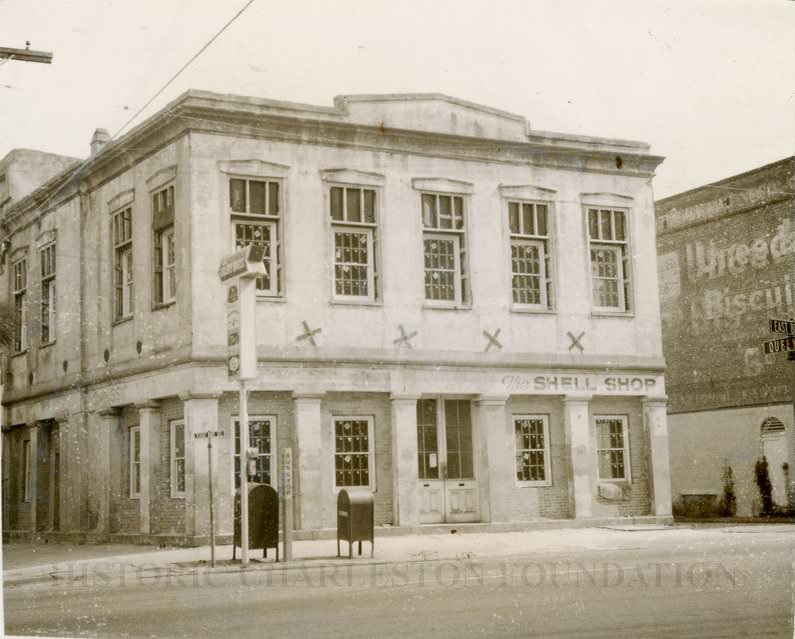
[[165, 261], [26, 471], [178, 458], [47, 255], [19, 285], [612, 448], [353, 227], [531, 437], [610, 268], [256, 216], [261, 436], [427, 439], [531, 283], [444, 245], [353, 450], [135, 461], [123, 263]]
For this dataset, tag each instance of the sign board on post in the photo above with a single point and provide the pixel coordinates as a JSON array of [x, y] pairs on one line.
[[239, 270], [781, 345], [287, 494], [782, 326]]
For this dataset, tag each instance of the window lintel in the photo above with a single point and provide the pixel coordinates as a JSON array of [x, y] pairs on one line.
[[352, 176], [442, 185], [254, 168], [161, 177], [526, 192], [121, 200], [616, 200]]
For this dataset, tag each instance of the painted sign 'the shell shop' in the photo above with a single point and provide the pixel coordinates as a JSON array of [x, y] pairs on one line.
[[595, 384]]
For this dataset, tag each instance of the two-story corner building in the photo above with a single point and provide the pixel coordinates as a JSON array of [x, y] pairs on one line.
[[459, 313], [726, 253]]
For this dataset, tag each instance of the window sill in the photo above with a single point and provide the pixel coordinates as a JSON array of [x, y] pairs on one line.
[[271, 298], [533, 484], [18, 353], [367, 303], [47, 344], [613, 481], [162, 305], [337, 489], [446, 307], [627, 314], [121, 320], [531, 310]]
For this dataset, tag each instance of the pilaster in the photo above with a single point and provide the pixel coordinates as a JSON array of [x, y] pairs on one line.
[[201, 415], [494, 454], [405, 471], [581, 451], [149, 423], [310, 476], [655, 418]]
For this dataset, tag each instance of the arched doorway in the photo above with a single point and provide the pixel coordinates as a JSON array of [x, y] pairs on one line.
[[774, 448]]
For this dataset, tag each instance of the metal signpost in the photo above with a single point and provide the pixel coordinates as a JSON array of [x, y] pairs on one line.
[[209, 436], [287, 493], [239, 271]]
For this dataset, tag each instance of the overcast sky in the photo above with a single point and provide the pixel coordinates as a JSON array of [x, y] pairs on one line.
[[710, 84]]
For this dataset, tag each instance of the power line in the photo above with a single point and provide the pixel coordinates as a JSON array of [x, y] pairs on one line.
[[186, 65]]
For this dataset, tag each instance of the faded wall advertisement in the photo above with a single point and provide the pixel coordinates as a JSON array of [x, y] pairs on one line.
[[720, 282]]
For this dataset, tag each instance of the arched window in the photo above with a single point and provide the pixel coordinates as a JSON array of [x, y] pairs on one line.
[[771, 425]]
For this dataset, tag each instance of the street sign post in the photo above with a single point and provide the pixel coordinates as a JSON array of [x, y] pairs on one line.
[[239, 271], [209, 436], [287, 493]]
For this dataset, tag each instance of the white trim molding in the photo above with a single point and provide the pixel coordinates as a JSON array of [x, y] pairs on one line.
[[526, 192], [442, 185], [616, 200]]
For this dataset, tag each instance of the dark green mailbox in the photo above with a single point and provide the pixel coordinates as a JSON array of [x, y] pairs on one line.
[[355, 519], [263, 519]]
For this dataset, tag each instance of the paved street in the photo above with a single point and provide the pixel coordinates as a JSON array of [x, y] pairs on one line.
[[708, 583]]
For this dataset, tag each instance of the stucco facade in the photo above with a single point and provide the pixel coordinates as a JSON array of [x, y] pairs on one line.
[[433, 325], [725, 257]]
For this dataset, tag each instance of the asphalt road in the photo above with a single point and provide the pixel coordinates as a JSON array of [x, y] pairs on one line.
[[740, 588]]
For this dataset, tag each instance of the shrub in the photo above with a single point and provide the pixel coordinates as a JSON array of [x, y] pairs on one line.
[[765, 487], [728, 500]]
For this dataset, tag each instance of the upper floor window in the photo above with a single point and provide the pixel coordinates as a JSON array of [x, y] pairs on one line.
[[19, 285], [165, 261], [122, 263], [256, 217], [47, 255], [610, 265], [444, 242], [354, 233], [531, 281]]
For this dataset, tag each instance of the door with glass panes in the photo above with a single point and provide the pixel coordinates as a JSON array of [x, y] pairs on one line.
[[448, 488]]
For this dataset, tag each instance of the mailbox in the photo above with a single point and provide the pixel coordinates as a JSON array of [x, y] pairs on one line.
[[263, 519], [355, 519]]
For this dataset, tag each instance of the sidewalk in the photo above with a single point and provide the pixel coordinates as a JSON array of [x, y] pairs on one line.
[[30, 563]]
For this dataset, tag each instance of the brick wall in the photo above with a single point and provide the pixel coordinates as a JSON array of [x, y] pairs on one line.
[[167, 513], [636, 500], [725, 263], [125, 512], [364, 404], [530, 502]]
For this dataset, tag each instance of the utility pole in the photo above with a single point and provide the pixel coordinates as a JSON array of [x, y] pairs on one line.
[[25, 55]]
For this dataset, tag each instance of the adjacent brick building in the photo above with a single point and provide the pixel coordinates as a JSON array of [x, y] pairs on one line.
[[726, 262], [459, 313]]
